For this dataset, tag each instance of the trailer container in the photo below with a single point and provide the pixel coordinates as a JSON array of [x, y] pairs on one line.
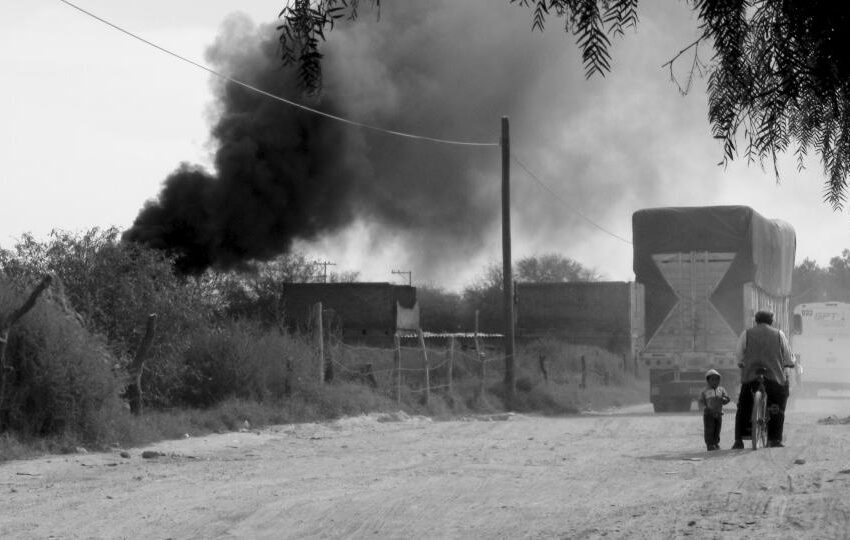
[[605, 314], [368, 313]]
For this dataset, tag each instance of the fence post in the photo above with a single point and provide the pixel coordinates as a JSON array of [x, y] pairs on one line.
[[451, 360], [425, 362], [482, 365], [287, 384], [583, 373], [635, 358], [625, 363], [397, 354], [320, 341]]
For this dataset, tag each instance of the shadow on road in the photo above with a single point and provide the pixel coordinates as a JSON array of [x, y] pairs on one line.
[[694, 456]]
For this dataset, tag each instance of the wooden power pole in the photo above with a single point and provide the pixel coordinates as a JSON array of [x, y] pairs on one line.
[[507, 272]]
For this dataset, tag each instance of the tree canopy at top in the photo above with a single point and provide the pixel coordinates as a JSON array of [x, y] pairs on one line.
[[779, 77]]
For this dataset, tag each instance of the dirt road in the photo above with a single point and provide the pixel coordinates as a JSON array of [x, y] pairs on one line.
[[628, 473]]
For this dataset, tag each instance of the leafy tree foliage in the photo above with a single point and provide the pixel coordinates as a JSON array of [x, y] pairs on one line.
[[112, 286], [441, 310], [813, 283], [485, 296], [780, 72], [302, 29], [553, 268], [59, 377]]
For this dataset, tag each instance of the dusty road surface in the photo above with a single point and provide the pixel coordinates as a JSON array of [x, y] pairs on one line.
[[623, 474]]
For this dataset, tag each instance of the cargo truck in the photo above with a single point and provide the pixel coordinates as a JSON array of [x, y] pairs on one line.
[[705, 272]]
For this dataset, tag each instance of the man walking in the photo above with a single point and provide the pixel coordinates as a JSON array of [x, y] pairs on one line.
[[763, 347]]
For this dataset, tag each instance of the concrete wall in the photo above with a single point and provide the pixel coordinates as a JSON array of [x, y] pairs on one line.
[[605, 314], [361, 312]]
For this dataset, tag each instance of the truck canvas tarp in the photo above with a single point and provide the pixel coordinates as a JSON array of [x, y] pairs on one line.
[[763, 255]]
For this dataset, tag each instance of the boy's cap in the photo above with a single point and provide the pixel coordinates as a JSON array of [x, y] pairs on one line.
[[712, 373]]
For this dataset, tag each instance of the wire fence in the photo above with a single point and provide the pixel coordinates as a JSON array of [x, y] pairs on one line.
[[455, 368], [403, 369]]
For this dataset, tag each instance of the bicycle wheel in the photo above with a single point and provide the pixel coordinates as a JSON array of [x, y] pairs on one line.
[[759, 420]]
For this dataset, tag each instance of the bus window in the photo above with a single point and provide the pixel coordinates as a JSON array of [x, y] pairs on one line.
[[797, 324]]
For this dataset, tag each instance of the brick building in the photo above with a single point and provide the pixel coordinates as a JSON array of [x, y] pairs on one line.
[[369, 313]]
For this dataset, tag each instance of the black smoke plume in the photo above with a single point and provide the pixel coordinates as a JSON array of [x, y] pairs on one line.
[[280, 173], [283, 174], [441, 68]]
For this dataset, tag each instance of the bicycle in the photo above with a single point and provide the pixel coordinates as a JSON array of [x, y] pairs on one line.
[[761, 413]]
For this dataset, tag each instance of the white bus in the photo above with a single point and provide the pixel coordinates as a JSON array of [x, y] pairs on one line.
[[820, 339]]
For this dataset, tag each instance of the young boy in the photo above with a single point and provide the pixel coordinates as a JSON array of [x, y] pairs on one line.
[[712, 400]]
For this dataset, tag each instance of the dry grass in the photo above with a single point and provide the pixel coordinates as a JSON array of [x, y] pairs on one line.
[[559, 395]]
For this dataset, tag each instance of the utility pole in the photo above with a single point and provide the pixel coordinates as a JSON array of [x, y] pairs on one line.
[[507, 272], [325, 265], [409, 274]]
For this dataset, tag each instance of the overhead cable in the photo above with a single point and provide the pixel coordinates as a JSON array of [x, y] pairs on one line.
[[564, 202], [274, 96]]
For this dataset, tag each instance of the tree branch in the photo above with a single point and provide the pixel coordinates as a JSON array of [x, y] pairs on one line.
[[695, 43], [26, 306]]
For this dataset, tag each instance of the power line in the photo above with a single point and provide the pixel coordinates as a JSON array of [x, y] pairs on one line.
[[339, 118], [564, 202], [273, 96]]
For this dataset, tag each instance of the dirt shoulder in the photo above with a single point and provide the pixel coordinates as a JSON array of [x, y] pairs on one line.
[[624, 474]]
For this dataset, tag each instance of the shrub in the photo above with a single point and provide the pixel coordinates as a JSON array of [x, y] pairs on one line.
[[61, 380], [114, 285], [241, 359]]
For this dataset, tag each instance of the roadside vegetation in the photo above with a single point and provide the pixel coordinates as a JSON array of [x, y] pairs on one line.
[[220, 358]]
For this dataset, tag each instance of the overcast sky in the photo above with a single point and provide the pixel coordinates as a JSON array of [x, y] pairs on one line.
[[94, 121]]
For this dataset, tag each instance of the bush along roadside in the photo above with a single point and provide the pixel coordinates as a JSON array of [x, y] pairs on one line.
[[69, 360]]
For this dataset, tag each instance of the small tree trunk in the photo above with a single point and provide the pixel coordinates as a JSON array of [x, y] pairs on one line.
[[481, 364], [320, 341], [397, 353], [427, 370], [451, 362], [583, 373], [541, 358], [287, 383], [134, 389]]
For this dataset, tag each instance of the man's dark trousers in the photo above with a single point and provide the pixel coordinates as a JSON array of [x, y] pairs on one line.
[[777, 394]]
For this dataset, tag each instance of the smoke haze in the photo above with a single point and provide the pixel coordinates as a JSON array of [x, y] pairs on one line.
[[442, 69]]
